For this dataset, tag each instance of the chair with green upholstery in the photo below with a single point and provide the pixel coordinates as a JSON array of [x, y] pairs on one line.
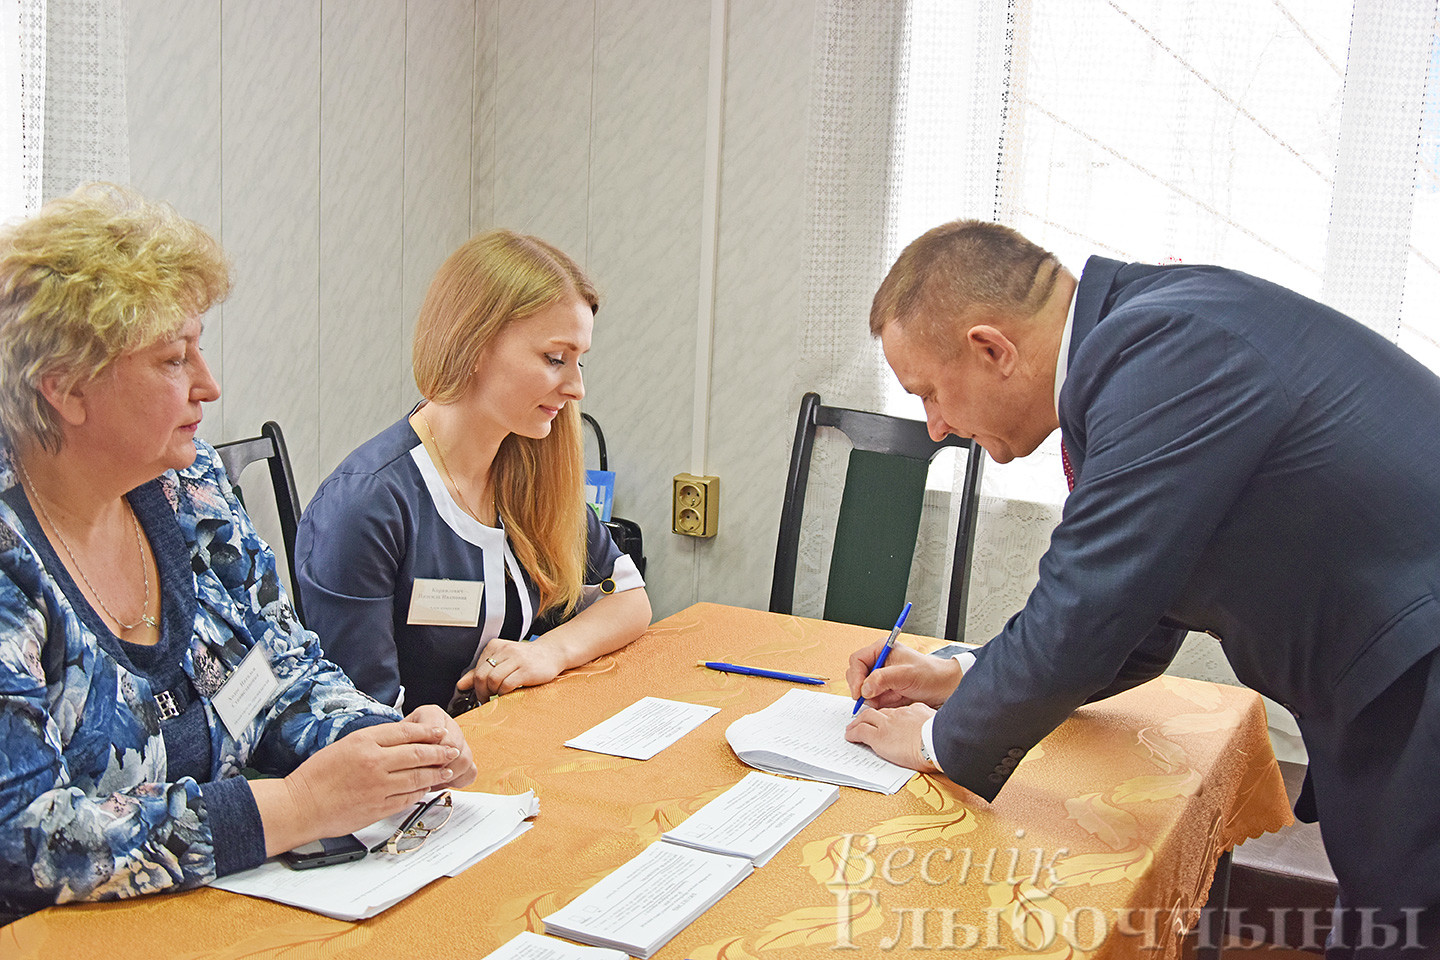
[[879, 517]]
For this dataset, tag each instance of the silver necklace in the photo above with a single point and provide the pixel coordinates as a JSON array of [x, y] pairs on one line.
[[139, 548], [448, 475]]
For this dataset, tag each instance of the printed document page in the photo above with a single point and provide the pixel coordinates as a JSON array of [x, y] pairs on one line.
[[648, 900], [643, 729], [756, 817], [480, 824], [803, 734]]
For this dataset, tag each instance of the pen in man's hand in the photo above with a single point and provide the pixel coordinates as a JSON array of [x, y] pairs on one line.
[[885, 651]]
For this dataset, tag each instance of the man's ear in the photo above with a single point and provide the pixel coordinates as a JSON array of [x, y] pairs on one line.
[[993, 349], [67, 399]]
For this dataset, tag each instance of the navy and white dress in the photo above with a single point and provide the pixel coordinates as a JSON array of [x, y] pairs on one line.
[[381, 521]]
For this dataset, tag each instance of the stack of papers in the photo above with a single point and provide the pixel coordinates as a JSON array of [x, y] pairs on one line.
[[755, 818], [803, 734], [644, 903], [479, 824]]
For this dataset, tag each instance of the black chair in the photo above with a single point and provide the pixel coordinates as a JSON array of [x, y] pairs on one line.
[[270, 447], [626, 533], [879, 517]]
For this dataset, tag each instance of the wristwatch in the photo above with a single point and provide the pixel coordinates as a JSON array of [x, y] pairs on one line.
[[925, 753]]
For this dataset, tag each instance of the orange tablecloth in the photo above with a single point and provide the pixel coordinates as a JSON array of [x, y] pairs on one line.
[[1102, 844]]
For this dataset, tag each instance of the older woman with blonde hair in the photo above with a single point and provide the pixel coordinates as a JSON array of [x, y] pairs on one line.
[[453, 556], [147, 650]]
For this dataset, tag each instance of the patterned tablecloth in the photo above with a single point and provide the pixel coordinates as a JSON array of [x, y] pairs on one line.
[[1102, 843]]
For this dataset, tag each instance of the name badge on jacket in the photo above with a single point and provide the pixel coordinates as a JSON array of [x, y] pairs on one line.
[[248, 690], [446, 603]]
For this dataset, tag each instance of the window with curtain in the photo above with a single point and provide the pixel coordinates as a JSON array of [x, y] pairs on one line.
[[12, 196], [1296, 141], [1419, 318], [22, 101], [62, 99]]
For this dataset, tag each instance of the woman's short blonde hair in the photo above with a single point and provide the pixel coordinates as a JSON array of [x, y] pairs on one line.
[[94, 274], [495, 278]]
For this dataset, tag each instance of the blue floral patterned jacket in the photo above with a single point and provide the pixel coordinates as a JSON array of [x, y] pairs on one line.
[[87, 810]]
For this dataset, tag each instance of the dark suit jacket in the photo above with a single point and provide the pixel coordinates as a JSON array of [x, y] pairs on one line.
[[1248, 462]]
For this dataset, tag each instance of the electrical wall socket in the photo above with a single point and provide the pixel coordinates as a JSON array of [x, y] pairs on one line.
[[695, 508]]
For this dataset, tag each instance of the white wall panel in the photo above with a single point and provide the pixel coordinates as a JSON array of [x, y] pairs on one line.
[[542, 121], [482, 128], [646, 176], [328, 144], [439, 84], [759, 302], [636, 175], [173, 101], [270, 108], [362, 201]]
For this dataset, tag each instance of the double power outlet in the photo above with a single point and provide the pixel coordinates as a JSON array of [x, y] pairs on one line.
[[695, 508]]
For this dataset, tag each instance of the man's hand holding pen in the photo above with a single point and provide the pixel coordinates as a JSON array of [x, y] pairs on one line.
[[902, 689], [908, 676]]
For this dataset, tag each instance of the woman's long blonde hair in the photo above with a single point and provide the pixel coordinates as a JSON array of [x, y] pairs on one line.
[[495, 278]]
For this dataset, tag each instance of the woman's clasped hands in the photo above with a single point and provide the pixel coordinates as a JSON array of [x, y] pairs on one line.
[[369, 774], [507, 665]]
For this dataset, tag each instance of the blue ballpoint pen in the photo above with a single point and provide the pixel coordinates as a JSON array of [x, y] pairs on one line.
[[885, 651], [760, 672]]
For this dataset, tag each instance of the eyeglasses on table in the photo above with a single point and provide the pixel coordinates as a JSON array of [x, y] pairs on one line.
[[427, 817]]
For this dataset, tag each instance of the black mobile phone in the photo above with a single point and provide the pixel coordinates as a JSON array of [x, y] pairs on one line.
[[324, 852], [462, 701]]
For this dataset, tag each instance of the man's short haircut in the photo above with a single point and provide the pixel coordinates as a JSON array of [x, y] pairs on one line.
[[958, 267]]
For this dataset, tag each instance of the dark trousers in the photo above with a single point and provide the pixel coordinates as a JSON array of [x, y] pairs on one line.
[[1373, 934], [1377, 791]]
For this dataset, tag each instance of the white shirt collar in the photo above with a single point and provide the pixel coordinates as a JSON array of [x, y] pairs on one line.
[[1063, 363]]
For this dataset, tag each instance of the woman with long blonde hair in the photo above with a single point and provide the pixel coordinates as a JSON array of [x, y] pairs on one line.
[[453, 555]]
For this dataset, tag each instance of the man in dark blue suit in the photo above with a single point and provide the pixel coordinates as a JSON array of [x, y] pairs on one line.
[[1245, 461]]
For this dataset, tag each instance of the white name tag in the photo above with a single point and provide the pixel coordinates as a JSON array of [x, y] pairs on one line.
[[247, 691], [446, 603]]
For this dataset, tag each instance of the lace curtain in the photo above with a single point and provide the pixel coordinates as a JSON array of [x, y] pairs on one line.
[[950, 161], [22, 105], [62, 99], [86, 133]]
